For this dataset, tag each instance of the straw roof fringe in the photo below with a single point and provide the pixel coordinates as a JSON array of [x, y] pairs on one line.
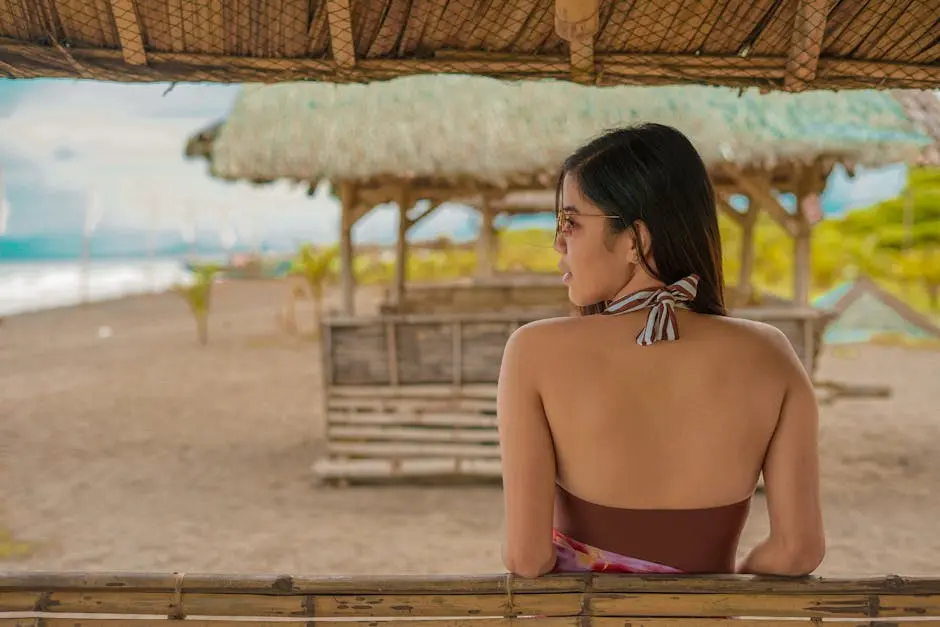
[[454, 130]]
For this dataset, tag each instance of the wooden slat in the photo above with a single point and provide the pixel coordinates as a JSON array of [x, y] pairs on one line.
[[389, 605], [413, 405], [412, 434], [37, 582], [408, 419], [411, 468], [809, 26], [747, 622], [589, 621], [341, 33], [548, 604], [403, 449], [716, 605], [469, 391], [128, 27], [57, 621]]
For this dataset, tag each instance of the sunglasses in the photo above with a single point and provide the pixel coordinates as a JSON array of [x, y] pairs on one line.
[[563, 222]]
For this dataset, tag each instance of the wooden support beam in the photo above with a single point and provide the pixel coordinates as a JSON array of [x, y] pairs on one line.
[[341, 33], [413, 221], [809, 26], [401, 243], [129, 32], [747, 250], [724, 204], [807, 185], [760, 192], [348, 206], [486, 241], [576, 21]]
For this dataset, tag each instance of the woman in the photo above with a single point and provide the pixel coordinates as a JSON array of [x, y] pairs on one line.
[[632, 440]]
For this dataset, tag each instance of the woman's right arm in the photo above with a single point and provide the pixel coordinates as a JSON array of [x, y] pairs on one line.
[[796, 543]]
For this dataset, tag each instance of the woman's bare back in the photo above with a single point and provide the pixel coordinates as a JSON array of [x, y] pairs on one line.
[[674, 425]]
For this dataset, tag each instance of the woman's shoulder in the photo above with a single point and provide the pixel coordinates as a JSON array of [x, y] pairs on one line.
[[750, 336]]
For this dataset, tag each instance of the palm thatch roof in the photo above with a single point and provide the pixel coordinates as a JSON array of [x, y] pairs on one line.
[[776, 44], [475, 131]]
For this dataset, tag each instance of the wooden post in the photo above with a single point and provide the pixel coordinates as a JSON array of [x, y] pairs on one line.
[[802, 263], [486, 242], [347, 197], [401, 243], [747, 250], [810, 181]]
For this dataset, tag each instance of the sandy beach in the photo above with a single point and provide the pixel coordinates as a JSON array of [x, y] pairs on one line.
[[144, 451]]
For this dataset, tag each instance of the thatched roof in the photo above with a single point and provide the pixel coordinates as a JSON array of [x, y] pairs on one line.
[[450, 130], [790, 44]]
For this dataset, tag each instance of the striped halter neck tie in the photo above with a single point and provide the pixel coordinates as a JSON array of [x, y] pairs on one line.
[[661, 323]]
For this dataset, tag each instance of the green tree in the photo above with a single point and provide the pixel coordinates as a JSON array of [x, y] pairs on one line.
[[198, 295], [317, 267]]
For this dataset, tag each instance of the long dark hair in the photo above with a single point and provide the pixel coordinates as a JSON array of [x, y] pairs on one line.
[[652, 173]]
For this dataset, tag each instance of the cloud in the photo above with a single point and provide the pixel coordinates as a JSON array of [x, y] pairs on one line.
[[63, 143]]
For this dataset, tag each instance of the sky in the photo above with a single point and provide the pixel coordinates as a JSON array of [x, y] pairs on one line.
[[67, 145]]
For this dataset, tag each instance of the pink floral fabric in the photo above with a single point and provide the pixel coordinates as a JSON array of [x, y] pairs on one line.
[[577, 557]]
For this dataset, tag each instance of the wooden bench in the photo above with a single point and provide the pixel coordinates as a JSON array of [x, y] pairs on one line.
[[414, 396], [148, 600]]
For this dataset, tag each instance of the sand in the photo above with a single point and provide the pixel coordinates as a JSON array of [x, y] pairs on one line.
[[145, 451]]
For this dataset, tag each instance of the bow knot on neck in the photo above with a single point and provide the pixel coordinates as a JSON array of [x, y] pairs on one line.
[[661, 323]]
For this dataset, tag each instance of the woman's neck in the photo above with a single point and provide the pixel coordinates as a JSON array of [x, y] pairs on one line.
[[639, 282]]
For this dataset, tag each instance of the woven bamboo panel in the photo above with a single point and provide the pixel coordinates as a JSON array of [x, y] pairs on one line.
[[783, 44]]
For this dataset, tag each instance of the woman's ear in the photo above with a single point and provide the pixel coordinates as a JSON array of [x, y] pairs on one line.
[[642, 241]]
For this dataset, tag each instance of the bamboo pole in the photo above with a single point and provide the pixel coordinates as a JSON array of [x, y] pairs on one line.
[[41, 582], [617, 68], [455, 600]]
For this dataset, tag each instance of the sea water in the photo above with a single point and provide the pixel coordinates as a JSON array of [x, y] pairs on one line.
[[36, 285]]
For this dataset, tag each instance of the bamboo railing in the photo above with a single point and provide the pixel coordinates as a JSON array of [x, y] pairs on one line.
[[606, 600]]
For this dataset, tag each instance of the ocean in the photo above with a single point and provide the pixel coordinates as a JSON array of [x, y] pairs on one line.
[[37, 285]]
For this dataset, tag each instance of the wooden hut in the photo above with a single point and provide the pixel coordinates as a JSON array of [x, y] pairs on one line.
[[497, 145], [786, 44], [413, 392]]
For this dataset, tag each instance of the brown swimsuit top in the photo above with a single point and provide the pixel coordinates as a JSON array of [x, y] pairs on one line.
[[692, 540]]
